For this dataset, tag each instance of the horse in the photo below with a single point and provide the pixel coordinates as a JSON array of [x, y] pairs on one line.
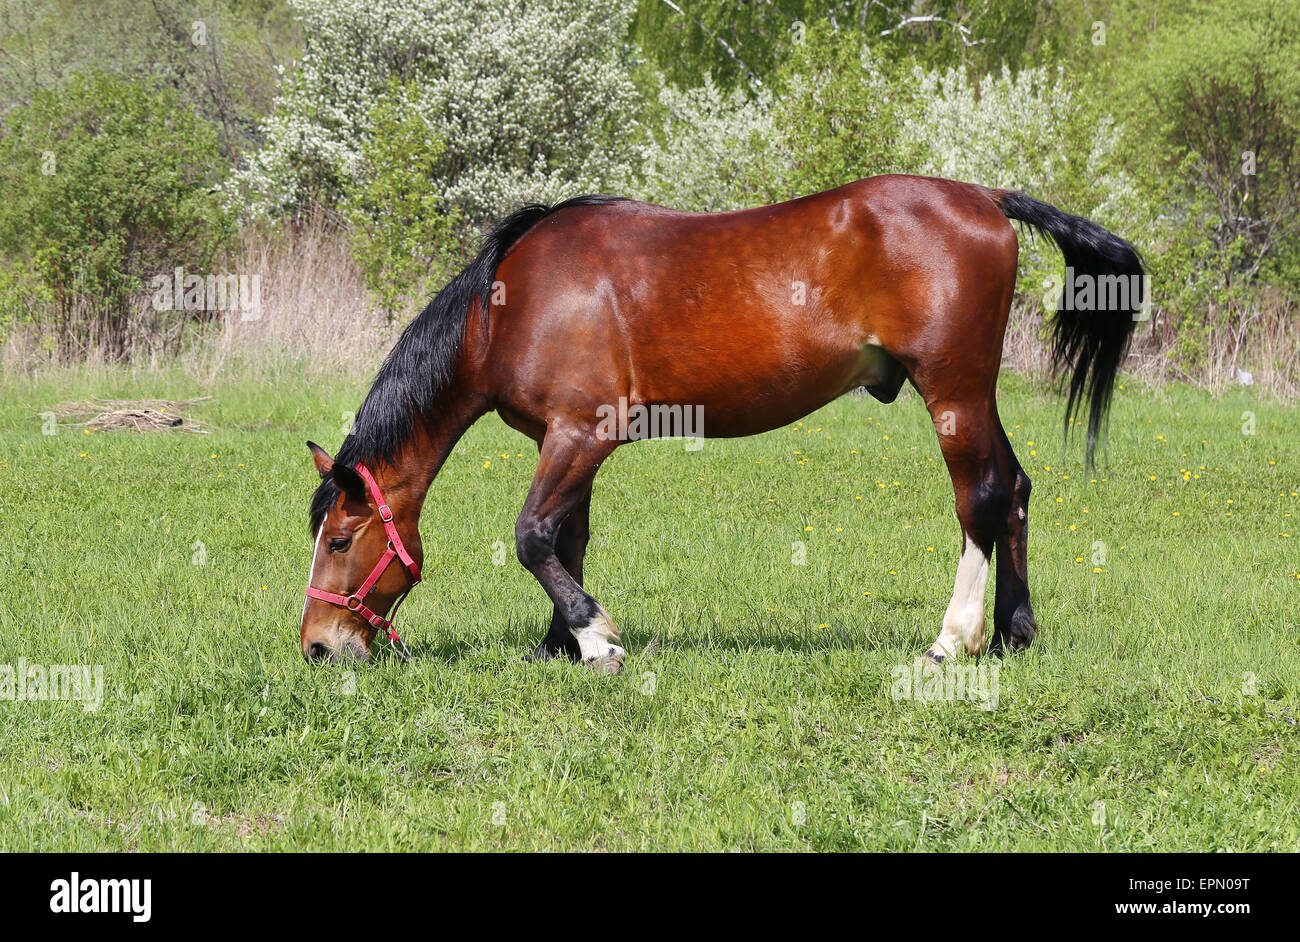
[[753, 318]]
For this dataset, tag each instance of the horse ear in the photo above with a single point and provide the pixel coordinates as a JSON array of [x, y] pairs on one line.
[[324, 463], [349, 482]]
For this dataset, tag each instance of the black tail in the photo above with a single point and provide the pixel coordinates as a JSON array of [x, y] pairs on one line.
[[1088, 344]]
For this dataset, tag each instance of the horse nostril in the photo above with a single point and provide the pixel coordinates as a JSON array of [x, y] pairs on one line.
[[317, 651]]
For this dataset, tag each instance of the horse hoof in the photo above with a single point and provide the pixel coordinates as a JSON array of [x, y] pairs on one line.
[[1015, 636], [543, 652], [609, 663]]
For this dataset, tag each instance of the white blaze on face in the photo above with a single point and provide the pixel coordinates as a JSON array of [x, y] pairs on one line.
[[963, 622], [310, 571]]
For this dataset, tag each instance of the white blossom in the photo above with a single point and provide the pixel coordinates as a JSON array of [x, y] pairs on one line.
[[707, 147], [532, 99], [1013, 131]]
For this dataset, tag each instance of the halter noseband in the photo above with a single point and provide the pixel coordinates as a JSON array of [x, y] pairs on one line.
[[356, 602]]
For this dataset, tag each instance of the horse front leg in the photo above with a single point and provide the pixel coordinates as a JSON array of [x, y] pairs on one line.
[[570, 548], [570, 457]]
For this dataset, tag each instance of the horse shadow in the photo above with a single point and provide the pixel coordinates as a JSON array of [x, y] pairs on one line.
[[739, 636]]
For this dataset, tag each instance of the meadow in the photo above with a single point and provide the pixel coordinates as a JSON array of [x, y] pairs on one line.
[[767, 589]]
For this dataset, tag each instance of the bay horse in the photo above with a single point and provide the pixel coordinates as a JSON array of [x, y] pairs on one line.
[[756, 317]]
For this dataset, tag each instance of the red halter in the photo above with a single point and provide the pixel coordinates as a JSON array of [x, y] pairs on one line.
[[356, 602]]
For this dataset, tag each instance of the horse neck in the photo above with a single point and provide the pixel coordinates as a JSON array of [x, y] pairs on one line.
[[406, 482]]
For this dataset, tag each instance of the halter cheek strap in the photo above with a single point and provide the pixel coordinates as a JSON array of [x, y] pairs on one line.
[[356, 602]]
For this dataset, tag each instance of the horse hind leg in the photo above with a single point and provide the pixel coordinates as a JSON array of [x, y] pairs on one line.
[[967, 438], [1014, 627]]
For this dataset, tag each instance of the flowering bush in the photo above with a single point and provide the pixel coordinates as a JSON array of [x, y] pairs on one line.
[[1027, 131], [531, 101], [706, 155]]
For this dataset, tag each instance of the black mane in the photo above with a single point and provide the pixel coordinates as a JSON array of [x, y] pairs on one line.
[[421, 363]]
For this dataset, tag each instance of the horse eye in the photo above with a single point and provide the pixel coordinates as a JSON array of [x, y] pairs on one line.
[[339, 545]]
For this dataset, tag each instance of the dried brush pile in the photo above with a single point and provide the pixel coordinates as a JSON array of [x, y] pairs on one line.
[[144, 415]]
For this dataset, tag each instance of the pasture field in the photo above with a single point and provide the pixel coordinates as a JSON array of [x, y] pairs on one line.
[[1155, 711]]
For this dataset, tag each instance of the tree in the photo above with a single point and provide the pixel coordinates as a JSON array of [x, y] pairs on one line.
[[1222, 92], [840, 110], [218, 56], [102, 183]]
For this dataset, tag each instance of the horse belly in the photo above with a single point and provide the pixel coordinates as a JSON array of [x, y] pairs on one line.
[[747, 387]]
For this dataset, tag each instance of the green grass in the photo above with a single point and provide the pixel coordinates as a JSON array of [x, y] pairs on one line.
[[762, 719]]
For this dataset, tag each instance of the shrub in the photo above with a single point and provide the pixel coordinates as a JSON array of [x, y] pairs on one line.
[[1221, 98], [708, 155], [841, 114], [103, 183], [834, 116], [404, 242]]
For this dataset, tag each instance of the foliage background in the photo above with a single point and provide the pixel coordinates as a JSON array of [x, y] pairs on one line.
[[399, 128]]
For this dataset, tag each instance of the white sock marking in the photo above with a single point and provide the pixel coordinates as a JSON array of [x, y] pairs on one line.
[[595, 640], [964, 620]]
